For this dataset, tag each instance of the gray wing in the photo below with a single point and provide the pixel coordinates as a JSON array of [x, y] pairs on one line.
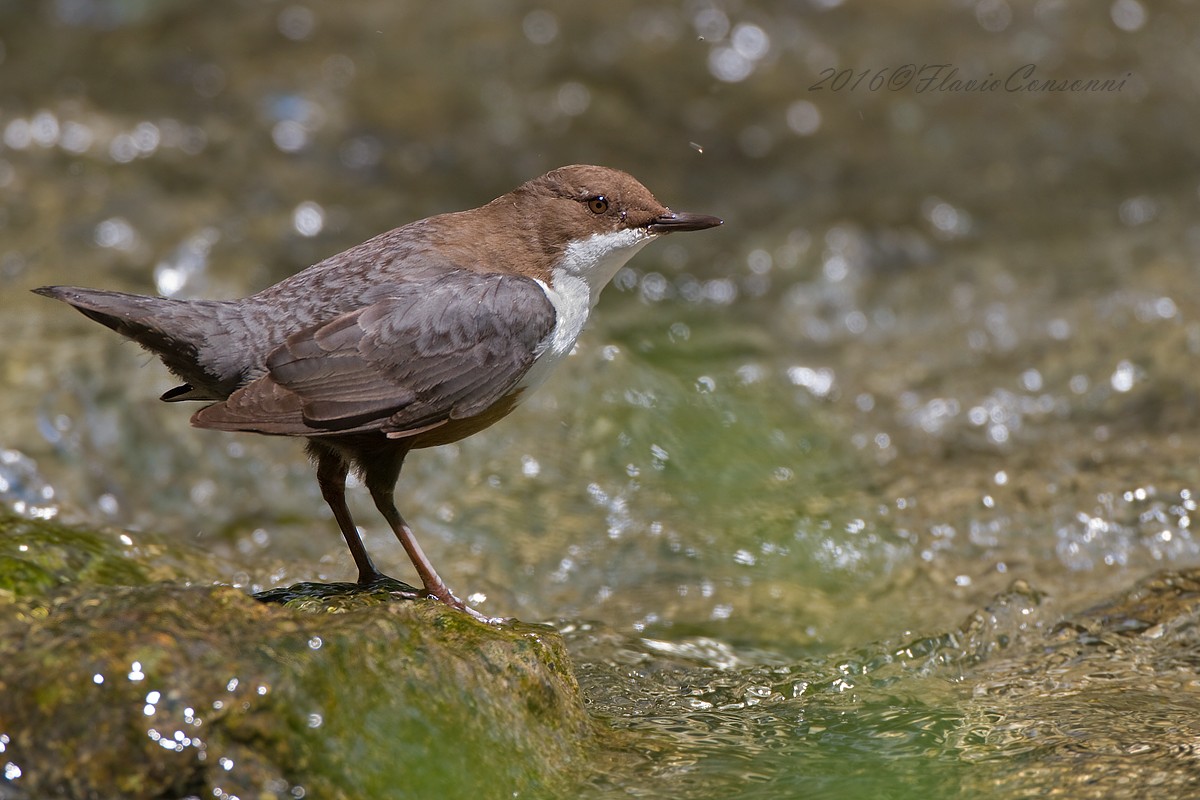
[[430, 352]]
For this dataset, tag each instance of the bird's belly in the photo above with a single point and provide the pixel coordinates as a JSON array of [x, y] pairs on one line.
[[455, 429]]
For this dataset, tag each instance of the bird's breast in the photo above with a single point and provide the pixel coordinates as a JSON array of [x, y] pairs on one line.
[[571, 297], [574, 287]]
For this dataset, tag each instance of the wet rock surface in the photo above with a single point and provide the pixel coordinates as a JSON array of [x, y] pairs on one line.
[[115, 684]]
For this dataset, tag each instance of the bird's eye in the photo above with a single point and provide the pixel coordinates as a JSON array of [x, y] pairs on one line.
[[598, 205]]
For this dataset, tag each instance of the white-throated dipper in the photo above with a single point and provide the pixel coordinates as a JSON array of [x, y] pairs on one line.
[[418, 337]]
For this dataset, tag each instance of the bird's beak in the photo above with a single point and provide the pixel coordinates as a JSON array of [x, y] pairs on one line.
[[682, 221]]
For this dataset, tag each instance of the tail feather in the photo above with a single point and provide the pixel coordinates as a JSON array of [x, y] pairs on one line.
[[133, 316], [179, 332]]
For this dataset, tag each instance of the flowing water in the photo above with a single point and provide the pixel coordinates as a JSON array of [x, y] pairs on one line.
[[850, 497]]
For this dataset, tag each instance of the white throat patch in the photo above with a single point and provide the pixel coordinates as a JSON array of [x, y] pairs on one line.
[[574, 289]]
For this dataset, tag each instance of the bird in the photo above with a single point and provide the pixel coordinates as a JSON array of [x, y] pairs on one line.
[[418, 337]]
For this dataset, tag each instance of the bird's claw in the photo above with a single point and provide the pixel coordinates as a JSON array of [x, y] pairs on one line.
[[451, 600]]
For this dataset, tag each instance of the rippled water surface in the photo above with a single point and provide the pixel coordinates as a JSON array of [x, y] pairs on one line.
[[848, 498]]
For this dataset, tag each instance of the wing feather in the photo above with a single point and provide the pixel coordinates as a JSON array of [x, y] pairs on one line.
[[431, 351]]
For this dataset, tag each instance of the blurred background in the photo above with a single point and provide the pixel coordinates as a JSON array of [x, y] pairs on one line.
[[948, 337], [945, 338]]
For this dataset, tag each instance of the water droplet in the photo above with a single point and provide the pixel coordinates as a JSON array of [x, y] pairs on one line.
[[308, 218]]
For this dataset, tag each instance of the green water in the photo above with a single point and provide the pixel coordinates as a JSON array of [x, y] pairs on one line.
[[945, 341]]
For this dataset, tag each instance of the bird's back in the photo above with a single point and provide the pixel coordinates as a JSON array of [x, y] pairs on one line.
[[219, 346]]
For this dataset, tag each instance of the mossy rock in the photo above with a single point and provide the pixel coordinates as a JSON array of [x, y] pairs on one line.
[[165, 690], [40, 556]]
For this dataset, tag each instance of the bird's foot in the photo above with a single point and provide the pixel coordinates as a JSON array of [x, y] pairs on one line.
[[370, 576], [444, 594], [441, 593]]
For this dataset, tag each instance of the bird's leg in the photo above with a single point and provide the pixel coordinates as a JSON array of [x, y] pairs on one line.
[[434, 585], [381, 484], [331, 477]]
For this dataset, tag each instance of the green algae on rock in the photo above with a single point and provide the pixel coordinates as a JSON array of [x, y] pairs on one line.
[[37, 556], [158, 689]]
